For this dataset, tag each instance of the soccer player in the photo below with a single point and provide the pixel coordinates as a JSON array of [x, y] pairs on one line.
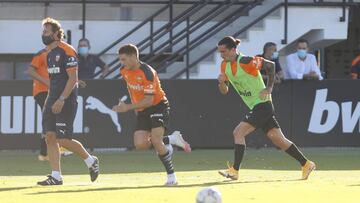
[[61, 104], [38, 71], [243, 72], [152, 109]]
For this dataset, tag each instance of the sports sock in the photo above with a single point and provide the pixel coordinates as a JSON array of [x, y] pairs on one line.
[[56, 175], [89, 161], [43, 147], [167, 162], [238, 155], [166, 140], [296, 154]]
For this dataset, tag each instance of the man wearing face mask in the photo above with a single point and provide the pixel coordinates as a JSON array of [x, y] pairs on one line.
[[89, 62], [61, 103], [302, 65], [270, 53]]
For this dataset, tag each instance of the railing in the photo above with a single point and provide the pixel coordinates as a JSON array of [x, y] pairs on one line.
[[286, 4], [167, 29]]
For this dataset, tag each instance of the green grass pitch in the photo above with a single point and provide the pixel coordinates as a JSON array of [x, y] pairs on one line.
[[267, 176]]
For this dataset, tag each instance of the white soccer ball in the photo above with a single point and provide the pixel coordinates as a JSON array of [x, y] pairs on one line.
[[208, 195]]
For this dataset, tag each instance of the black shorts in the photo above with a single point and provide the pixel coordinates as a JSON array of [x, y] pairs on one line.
[[153, 117], [40, 99], [262, 116], [62, 123]]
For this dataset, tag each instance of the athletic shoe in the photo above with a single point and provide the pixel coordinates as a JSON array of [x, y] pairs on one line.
[[230, 173], [307, 169], [171, 180], [180, 142], [43, 158], [50, 181], [94, 170]]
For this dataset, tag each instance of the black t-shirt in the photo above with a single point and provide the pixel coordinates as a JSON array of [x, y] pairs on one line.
[[61, 59], [88, 65], [277, 66]]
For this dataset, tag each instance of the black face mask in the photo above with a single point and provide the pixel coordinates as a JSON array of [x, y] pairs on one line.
[[47, 39]]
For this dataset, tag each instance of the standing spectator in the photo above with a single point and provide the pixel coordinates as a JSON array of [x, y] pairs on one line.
[[89, 62], [270, 53], [302, 65], [355, 66]]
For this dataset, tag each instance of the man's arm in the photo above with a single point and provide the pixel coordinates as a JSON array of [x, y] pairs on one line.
[[105, 71], [34, 75], [290, 69], [145, 103], [354, 70], [223, 84], [269, 67], [70, 84]]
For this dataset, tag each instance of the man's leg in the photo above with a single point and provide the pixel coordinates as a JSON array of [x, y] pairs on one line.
[[43, 156], [49, 128], [164, 153], [142, 140], [279, 140], [240, 132], [176, 139], [64, 129], [40, 99], [54, 160]]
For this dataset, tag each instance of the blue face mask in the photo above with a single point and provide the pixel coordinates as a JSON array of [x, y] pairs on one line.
[[83, 51], [275, 55], [301, 53]]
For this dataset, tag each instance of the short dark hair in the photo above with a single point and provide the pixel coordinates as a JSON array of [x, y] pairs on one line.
[[229, 42], [129, 49], [302, 40], [55, 26], [268, 45], [85, 40]]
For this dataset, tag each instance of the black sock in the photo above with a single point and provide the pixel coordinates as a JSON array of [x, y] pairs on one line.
[[238, 156], [296, 154], [43, 147], [166, 140], [167, 162]]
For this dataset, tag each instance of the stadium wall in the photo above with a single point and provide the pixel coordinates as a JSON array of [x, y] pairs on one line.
[[325, 113]]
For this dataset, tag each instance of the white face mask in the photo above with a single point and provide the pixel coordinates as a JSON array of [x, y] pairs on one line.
[[83, 51], [275, 55]]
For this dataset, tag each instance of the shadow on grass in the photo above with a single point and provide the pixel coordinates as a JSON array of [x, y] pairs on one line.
[[354, 185], [20, 164], [227, 182]]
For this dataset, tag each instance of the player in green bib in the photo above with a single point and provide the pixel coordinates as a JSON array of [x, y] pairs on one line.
[[243, 73]]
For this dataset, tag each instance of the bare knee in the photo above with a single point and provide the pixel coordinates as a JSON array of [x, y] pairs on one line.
[[50, 138], [156, 141], [141, 145], [278, 139], [142, 140], [63, 142]]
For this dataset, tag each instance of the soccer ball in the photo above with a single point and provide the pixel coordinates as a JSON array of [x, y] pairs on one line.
[[208, 195]]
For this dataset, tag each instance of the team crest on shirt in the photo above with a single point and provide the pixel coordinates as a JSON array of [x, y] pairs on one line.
[[57, 58]]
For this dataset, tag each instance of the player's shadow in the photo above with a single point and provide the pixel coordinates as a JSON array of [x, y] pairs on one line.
[[15, 188], [227, 182]]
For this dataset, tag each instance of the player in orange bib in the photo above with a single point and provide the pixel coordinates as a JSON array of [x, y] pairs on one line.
[[152, 109], [38, 71]]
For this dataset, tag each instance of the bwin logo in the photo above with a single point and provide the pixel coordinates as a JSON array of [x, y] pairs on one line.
[[20, 114], [349, 118]]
